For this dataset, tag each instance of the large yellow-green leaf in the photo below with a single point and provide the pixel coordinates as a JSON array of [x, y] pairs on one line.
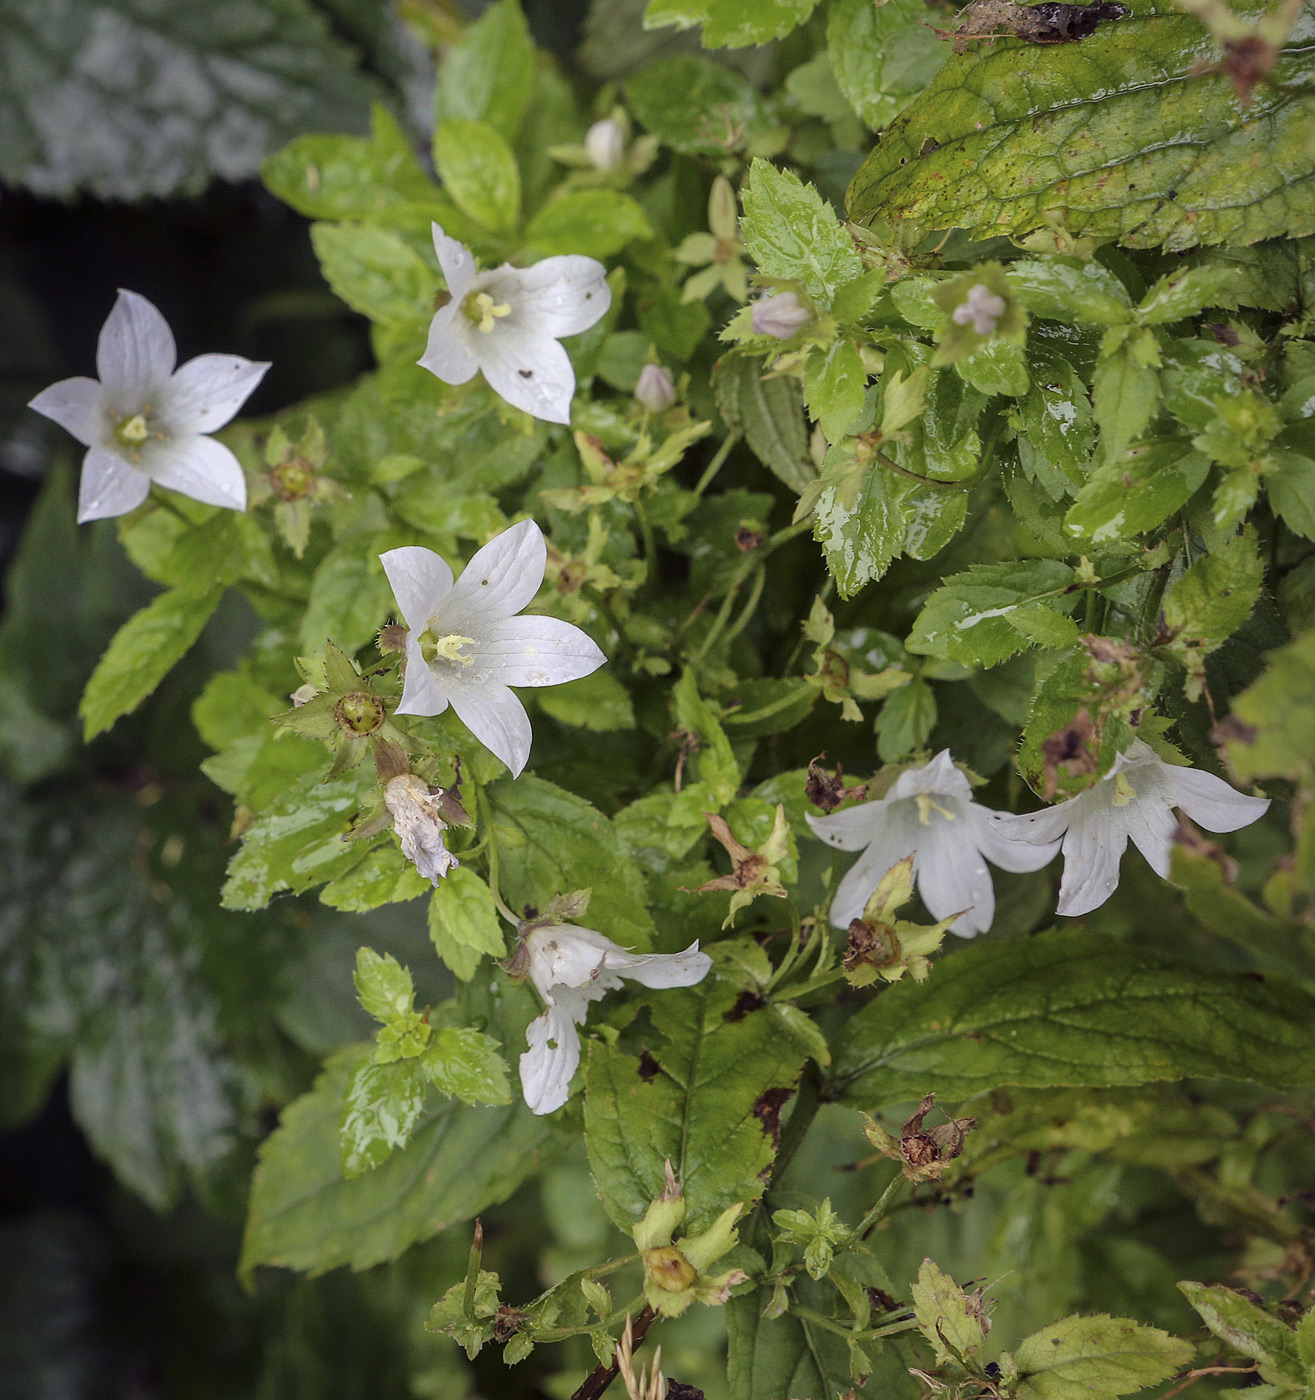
[[1114, 137]]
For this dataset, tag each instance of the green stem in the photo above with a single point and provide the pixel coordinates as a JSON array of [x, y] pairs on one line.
[[966, 484], [884, 1202], [482, 803], [718, 461], [646, 534], [750, 606]]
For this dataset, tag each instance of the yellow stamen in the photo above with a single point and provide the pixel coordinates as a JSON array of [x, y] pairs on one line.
[[132, 432], [926, 807], [481, 308], [449, 648], [1124, 791]]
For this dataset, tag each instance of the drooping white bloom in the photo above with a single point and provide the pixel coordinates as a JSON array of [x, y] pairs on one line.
[[981, 309], [465, 645], [929, 814], [1134, 799], [780, 315], [419, 824], [605, 144], [655, 389], [571, 967], [143, 420], [509, 321]]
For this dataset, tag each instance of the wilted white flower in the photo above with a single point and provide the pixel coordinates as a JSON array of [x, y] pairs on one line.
[[605, 144], [418, 821], [1134, 799], [144, 421], [465, 646], [780, 315], [656, 390], [571, 967], [929, 814], [981, 309], [509, 321]]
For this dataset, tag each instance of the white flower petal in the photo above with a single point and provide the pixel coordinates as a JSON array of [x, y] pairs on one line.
[[1148, 818], [207, 391], [78, 406], [560, 296], [135, 354], [564, 955], [938, 776], [500, 580], [953, 877], [548, 1066], [661, 969], [536, 651], [1093, 848], [854, 828], [529, 369], [1211, 802], [448, 351], [998, 837], [199, 467], [1043, 828], [109, 486], [892, 843], [454, 259], [497, 719], [420, 691], [420, 580]]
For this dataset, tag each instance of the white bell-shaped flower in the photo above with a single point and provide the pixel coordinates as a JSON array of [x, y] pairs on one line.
[[929, 814], [571, 967], [1134, 799], [509, 321], [143, 420], [466, 647]]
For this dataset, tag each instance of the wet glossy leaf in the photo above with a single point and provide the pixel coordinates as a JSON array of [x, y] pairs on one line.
[[487, 75], [1135, 493], [792, 232], [882, 55], [1081, 1357]]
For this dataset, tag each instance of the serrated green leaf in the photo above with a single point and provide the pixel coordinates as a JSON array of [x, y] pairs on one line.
[[945, 1317], [690, 103], [1291, 486], [479, 171], [464, 923], [597, 223], [466, 1064], [905, 720], [142, 653], [487, 75], [1081, 1357], [1213, 598], [375, 272], [382, 984], [1124, 394], [712, 1109], [1069, 289], [1070, 1008], [882, 55], [1119, 137], [1054, 447], [1135, 493], [968, 619], [770, 414], [835, 386], [382, 876], [381, 1106], [349, 597], [1278, 715], [792, 232], [1250, 1330], [598, 702], [1178, 295], [305, 1216], [731, 24]]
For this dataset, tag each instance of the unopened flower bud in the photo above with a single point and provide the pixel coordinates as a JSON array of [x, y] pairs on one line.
[[360, 712], [391, 638], [981, 309], [780, 315], [668, 1268], [417, 819], [605, 144], [292, 478], [656, 390]]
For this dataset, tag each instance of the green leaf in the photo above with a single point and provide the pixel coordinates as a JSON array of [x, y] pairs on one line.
[[1079, 1358], [479, 171], [466, 1064], [1124, 394], [953, 1327], [792, 232], [380, 1108], [350, 177], [1277, 713], [1178, 295], [240, 83], [487, 75], [689, 104], [349, 597], [304, 1215], [597, 223], [770, 415], [715, 763], [1054, 447], [712, 1107], [968, 618], [1251, 1330], [731, 24], [1126, 497], [1071, 1008], [1213, 598], [882, 55], [834, 388], [383, 985], [1119, 137], [375, 272], [142, 653], [1291, 486], [464, 923], [783, 1357], [1069, 289], [905, 720], [382, 876], [598, 702]]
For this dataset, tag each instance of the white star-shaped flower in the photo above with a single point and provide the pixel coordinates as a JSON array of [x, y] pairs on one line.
[[465, 646], [143, 420], [929, 814], [571, 967], [509, 321], [1134, 799]]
